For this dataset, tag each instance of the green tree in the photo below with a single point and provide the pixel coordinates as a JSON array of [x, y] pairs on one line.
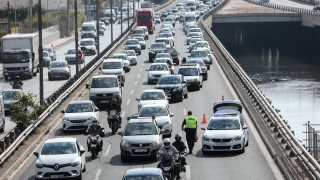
[[25, 111]]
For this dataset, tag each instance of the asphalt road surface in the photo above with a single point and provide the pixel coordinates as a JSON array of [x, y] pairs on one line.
[[293, 3], [255, 163]]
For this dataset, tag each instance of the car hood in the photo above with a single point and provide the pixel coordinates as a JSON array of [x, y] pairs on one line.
[[198, 58], [222, 134], [161, 120], [111, 71], [158, 72], [190, 78], [104, 90], [169, 86], [88, 47], [71, 55], [132, 45], [87, 32], [57, 159], [58, 70], [141, 139], [77, 116], [157, 50]]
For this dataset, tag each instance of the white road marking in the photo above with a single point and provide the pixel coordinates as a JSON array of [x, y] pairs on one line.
[[96, 177], [184, 112], [135, 83], [138, 75], [132, 91], [123, 114], [188, 172], [128, 102], [107, 151], [140, 69]]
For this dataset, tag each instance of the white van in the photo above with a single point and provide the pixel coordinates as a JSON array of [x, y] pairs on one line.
[[108, 17], [189, 17], [2, 116], [89, 30]]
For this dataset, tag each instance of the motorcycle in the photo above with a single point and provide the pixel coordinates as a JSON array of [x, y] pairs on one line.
[[93, 142], [113, 120], [168, 167], [16, 85]]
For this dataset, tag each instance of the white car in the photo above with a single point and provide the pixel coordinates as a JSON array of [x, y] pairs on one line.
[[153, 96], [156, 70], [225, 133], [79, 115], [60, 158], [88, 45], [163, 117], [101, 24], [168, 61], [131, 56]]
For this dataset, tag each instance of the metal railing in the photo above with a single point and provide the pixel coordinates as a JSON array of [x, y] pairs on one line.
[[313, 140], [251, 11], [285, 8], [265, 108], [10, 143]]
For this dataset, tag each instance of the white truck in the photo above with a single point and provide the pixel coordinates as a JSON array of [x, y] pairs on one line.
[[20, 55]]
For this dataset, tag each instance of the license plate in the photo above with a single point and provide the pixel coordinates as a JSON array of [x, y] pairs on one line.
[[104, 101], [140, 150], [78, 124], [222, 144], [57, 176], [16, 73]]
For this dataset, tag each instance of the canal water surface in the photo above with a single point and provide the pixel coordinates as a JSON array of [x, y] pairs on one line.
[[283, 59]]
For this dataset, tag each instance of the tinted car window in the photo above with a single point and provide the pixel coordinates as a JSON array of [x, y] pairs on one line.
[[169, 80], [158, 68], [78, 108], [134, 129], [111, 65], [55, 148], [153, 111], [152, 96], [104, 82], [228, 124]]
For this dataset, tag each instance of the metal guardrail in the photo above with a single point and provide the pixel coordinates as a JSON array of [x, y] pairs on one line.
[[280, 126], [10, 143], [285, 8]]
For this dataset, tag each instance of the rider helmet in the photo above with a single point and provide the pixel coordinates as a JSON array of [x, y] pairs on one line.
[[166, 142], [94, 121], [178, 137], [113, 101], [17, 78]]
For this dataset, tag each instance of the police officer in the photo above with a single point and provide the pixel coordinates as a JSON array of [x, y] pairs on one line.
[[189, 125]]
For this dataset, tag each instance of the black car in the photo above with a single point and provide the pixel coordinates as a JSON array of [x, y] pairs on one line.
[[174, 54], [155, 49], [174, 86]]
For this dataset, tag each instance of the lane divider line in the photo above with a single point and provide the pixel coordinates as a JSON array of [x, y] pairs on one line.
[[96, 177], [184, 112], [135, 83], [188, 172], [107, 151], [128, 102], [132, 91], [138, 75]]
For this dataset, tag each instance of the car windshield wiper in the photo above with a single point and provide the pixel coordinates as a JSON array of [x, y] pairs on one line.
[[144, 134]]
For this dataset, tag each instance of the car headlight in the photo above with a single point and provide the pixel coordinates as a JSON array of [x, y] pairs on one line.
[[166, 168], [179, 88], [167, 122], [65, 119], [125, 144], [150, 75], [116, 94], [195, 80], [75, 163], [5, 70], [238, 138], [39, 165], [155, 144], [206, 139], [204, 69], [91, 118]]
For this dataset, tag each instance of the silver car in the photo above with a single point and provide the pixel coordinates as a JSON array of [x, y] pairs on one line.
[[46, 59], [141, 138], [131, 56], [141, 41], [52, 53], [59, 70], [71, 57], [156, 70], [153, 96]]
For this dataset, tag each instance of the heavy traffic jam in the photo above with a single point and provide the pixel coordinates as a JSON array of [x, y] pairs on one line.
[[148, 133]]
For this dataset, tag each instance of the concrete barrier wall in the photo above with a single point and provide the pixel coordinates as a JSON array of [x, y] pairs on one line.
[[50, 38]]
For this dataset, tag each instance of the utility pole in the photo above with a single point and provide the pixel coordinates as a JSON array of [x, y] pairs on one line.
[[111, 18], [68, 18], [134, 10], [98, 20], [9, 22], [15, 17], [121, 3], [30, 15], [47, 14], [128, 13], [76, 35], [40, 52], [89, 10]]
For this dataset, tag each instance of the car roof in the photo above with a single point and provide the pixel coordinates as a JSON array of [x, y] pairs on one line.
[[132, 39], [87, 39], [153, 90], [223, 118], [81, 101], [112, 60], [143, 171], [119, 54], [189, 65], [153, 64], [67, 139], [153, 105], [140, 120], [105, 76], [199, 50]]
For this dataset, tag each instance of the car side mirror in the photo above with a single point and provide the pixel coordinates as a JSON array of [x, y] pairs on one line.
[[100, 68], [120, 133], [162, 131], [63, 111], [96, 109], [171, 114], [135, 116], [137, 99], [87, 86], [36, 154], [65, 53], [82, 152], [184, 81], [245, 127], [147, 69], [203, 128]]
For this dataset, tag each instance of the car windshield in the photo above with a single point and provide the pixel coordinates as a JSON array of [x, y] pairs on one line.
[[45, 54], [47, 49], [198, 54], [132, 42], [104, 82], [169, 80], [111, 65], [163, 60], [79, 108], [152, 96], [144, 19], [121, 56], [202, 44], [165, 35], [158, 46], [58, 64], [86, 43], [158, 67], [194, 30], [10, 95], [166, 41], [143, 177], [130, 53], [161, 55], [194, 40], [55, 148], [139, 38], [192, 18], [171, 51], [224, 124], [200, 62], [192, 34], [71, 51], [137, 31], [136, 129], [153, 111], [87, 28], [188, 72]]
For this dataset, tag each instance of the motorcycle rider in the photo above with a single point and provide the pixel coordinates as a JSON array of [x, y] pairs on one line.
[[170, 150], [182, 148], [115, 106], [17, 84], [93, 130]]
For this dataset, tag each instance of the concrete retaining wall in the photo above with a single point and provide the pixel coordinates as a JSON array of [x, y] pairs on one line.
[[50, 38]]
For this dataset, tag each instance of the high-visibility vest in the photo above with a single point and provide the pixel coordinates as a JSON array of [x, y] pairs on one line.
[[191, 122]]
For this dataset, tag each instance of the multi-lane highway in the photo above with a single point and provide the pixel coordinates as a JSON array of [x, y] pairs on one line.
[[255, 163]]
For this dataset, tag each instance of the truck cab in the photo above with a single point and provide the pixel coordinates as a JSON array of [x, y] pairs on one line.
[[145, 17]]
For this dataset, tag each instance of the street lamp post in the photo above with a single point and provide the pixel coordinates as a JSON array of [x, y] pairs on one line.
[[111, 19], [76, 35], [128, 12], [121, 15], [40, 53], [98, 18]]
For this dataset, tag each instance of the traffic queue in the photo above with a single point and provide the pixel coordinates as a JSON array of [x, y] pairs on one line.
[[148, 133]]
